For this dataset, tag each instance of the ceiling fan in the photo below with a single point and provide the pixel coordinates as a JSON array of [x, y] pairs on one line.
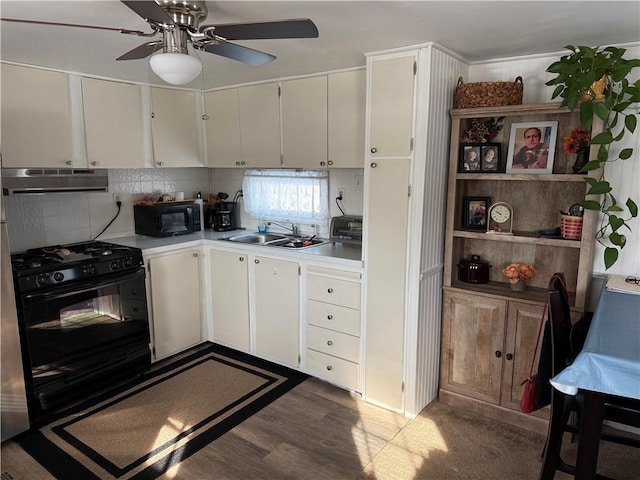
[[179, 24]]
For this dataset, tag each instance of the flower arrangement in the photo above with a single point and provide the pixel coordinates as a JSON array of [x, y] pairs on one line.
[[519, 271], [577, 140]]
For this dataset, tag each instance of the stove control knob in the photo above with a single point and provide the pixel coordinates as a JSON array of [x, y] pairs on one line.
[[88, 270], [127, 262], [115, 265], [58, 276], [42, 279]]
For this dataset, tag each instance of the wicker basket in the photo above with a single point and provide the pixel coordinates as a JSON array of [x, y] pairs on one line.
[[488, 94]]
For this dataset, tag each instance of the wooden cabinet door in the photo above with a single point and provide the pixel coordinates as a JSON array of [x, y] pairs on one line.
[[346, 119], [473, 345], [385, 260], [277, 317], [522, 333], [260, 125], [391, 106], [36, 119], [113, 124], [223, 128], [304, 122], [230, 299], [175, 301], [175, 125]]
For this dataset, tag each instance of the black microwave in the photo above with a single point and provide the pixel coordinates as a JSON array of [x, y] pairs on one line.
[[166, 219]]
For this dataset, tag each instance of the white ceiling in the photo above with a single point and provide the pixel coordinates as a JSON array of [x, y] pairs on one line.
[[477, 30]]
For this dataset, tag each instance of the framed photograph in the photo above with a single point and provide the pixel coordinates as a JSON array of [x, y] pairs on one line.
[[490, 158], [532, 147], [469, 158], [474, 215]]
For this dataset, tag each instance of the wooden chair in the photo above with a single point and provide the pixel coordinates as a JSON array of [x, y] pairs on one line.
[[621, 410]]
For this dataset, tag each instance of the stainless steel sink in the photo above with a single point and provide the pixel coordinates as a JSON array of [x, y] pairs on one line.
[[257, 238], [275, 240], [296, 243]]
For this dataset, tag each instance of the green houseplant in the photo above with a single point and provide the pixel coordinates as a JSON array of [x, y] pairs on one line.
[[576, 74]]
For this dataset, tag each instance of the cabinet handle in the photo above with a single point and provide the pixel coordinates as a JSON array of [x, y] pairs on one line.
[[329, 317], [256, 261], [498, 353], [374, 164], [330, 290], [509, 356], [329, 367], [241, 259], [94, 163], [329, 342], [374, 150], [330, 162], [322, 164], [69, 162]]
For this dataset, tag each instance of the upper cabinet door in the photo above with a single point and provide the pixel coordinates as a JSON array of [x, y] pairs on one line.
[[260, 125], [222, 128], [346, 119], [391, 109], [113, 124], [304, 122], [174, 127], [36, 119]]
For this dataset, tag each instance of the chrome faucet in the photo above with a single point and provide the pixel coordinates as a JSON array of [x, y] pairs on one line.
[[293, 227]]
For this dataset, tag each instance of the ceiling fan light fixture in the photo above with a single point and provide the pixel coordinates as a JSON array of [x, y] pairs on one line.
[[175, 68]]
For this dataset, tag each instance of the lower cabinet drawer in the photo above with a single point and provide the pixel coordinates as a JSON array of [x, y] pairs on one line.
[[332, 369], [333, 343], [341, 319]]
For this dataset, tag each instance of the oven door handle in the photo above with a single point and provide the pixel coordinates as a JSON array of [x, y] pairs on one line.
[[74, 289]]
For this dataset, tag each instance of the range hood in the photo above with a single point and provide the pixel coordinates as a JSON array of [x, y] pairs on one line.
[[53, 180]]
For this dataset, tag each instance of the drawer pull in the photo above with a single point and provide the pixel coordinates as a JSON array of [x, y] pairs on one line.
[[330, 290], [329, 342], [329, 317], [329, 367]]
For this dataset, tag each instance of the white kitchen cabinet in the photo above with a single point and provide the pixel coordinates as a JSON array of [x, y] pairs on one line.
[[277, 310], [222, 130], [175, 128], [346, 119], [37, 119], [392, 85], [174, 291], [230, 298], [304, 122], [113, 124], [260, 125]]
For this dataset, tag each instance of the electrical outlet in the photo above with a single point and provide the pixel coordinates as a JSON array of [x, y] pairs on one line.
[[116, 197], [341, 192]]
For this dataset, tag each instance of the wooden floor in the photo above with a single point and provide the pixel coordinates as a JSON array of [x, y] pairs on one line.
[[319, 432]]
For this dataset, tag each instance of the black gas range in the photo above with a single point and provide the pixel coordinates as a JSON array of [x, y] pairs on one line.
[[82, 315]]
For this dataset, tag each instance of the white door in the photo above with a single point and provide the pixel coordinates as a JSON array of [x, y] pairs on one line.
[[346, 119], [260, 125], [223, 128]]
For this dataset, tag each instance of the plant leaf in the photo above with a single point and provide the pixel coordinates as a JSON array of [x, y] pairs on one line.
[[615, 222], [599, 188], [602, 138], [617, 239], [626, 153], [633, 208], [610, 257], [631, 121], [590, 204]]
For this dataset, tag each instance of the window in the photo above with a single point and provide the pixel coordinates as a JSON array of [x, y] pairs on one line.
[[287, 194]]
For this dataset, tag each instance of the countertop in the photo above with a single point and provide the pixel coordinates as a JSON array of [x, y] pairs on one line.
[[332, 252]]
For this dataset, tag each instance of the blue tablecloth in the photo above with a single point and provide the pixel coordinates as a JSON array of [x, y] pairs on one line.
[[610, 359]]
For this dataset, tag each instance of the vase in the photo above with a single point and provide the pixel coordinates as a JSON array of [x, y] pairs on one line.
[[518, 285], [582, 157], [596, 92]]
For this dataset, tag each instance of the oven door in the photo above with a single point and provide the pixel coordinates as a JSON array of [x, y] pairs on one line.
[[68, 327]]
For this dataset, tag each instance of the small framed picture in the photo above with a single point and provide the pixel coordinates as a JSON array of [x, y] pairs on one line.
[[474, 215], [532, 147], [470, 158], [490, 158]]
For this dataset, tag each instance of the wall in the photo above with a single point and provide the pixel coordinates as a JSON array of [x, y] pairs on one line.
[[622, 175]]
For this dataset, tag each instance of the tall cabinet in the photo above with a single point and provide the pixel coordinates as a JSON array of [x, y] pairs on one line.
[[489, 332], [407, 91]]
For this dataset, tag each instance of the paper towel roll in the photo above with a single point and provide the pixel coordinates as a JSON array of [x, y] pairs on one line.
[[198, 201]]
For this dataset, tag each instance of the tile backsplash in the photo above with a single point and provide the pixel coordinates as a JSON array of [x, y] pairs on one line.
[[56, 218]]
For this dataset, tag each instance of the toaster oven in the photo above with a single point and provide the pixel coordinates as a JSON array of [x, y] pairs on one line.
[[346, 229]]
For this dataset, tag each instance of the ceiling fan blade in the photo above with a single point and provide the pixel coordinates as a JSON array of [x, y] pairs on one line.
[[56, 24], [150, 11], [296, 28], [141, 51], [239, 53]]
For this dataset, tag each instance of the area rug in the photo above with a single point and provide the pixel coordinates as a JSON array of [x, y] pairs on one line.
[[141, 431]]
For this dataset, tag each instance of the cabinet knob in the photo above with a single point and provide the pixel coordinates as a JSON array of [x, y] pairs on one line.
[[160, 163], [237, 164], [69, 162], [329, 367], [242, 162], [94, 163], [330, 290], [374, 164], [256, 261], [330, 162], [509, 356], [153, 115], [329, 342], [329, 317], [194, 254], [322, 164], [374, 150], [205, 117], [241, 259], [498, 353]]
